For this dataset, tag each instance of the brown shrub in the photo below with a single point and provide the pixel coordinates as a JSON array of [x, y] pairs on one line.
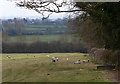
[[102, 55], [115, 57]]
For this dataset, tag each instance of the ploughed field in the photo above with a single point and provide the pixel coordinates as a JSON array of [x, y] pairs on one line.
[[38, 67]]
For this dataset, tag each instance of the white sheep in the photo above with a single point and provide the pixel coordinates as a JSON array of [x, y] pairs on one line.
[[56, 58], [9, 57], [77, 62], [47, 55], [85, 61], [53, 59]]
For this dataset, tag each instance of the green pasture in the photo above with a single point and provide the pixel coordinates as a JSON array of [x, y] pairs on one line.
[[35, 67], [28, 28], [31, 38], [47, 26], [43, 27]]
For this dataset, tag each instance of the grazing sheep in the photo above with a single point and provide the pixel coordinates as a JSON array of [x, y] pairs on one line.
[[81, 69], [77, 62], [9, 57], [85, 61], [56, 58], [53, 59], [6, 56], [47, 55]]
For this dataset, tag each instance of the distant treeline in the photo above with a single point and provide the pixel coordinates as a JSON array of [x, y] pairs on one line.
[[23, 26], [42, 47]]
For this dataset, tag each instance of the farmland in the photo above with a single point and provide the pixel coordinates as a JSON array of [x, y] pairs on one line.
[[41, 32], [35, 27], [45, 29], [39, 68], [31, 38]]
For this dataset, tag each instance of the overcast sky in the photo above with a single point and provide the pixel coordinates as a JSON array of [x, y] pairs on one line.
[[9, 9]]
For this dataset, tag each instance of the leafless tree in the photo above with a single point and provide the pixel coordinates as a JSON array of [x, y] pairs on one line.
[[47, 7]]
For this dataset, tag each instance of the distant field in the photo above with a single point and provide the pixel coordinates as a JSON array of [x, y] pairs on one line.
[[41, 33], [44, 27], [50, 26], [31, 38], [39, 68], [35, 28]]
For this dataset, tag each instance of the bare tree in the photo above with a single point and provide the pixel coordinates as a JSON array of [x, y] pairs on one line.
[[47, 7]]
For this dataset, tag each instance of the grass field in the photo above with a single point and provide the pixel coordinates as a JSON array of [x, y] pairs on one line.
[[48, 26], [34, 28], [44, 27], [30, 38], [39, 68]]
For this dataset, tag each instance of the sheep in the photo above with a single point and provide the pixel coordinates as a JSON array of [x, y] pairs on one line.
[[6, 56], [77, 62], [56, 58], [47, 55], [85, 61], [9, 57], [53, 59]]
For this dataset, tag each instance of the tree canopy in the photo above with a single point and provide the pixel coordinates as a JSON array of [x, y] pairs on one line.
[[106, 14]]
